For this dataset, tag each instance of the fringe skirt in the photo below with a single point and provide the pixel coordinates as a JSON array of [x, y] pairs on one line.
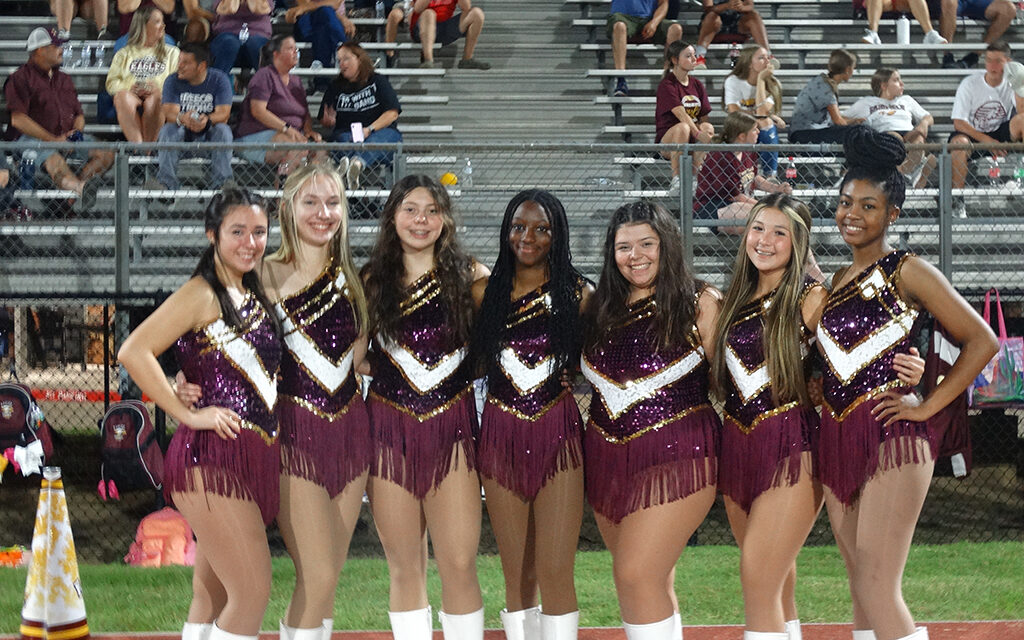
[[328, 452], [522, 455], [662, 466], [851, 451], [247, 468], [418, 455], [769, 456]]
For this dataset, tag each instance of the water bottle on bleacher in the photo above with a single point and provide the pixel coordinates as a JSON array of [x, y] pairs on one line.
[[27, 169], [378, 8], [243, 34], [101, 52], [85, 57]]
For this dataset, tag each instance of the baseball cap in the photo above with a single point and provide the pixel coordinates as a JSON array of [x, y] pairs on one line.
[[41, 37], [1014, 74]]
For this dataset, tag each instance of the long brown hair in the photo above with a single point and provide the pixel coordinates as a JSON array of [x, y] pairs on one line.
[[782, 321], [384, 274], [137, 31], [365, 64], [742, 69], [675, 290]]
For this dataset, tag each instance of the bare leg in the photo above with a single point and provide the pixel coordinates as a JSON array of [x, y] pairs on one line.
[[471, 24], [152, 117], [874, 11], [428, 33], [947, 19], [99, 162], [514, 529], [208, 594], [709, 27], [752, 24], [678, 134], [64, 11], [395, 513], [960, 161], [98, 10], [619, 45], [57, 168], [919, 9], [127, 105], [391, 27], [557, 514], [1000, 14]]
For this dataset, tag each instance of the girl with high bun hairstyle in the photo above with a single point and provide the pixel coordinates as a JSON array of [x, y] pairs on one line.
[[223, 462], [651, 443], [875, 453], [418, 283], [530, 448]]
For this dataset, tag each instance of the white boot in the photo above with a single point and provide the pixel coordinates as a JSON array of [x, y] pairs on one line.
[[417, 624], [793, 629], [660, 630], [563, 627], [677, 628], [466, 626], [521, 625], [863, 634], [216, 633], [765, 635], [196, 630], [921, 633], [294, 633], [326, 627]]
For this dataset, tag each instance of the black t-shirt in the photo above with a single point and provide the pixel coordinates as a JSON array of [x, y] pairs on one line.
[[359, 103]]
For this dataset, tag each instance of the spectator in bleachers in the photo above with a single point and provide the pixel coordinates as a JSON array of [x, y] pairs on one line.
[[682, 107], [642, 20], [917, 8], [275, 109], [323, 24], [890, 110], [97, 10], [242, 29], [397, 12], [196, 106], [361, 97], [730, 17], [816, 115], [200, 18], [126, 10], [137, 74], [9, 205], [436, 20], [751, 87], [999, 13], [44, 106], [987, 110], [727, 179]]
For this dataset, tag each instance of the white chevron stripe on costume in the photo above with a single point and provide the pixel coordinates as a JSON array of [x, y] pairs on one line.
[[619, 398], [749, 383], [526, 378], [423, 378], [846, 364], [244, 356], [329, 375]]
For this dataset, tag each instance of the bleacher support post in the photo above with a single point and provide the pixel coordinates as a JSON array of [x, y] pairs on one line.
[[946, 212], [121, 208], [686, 199]]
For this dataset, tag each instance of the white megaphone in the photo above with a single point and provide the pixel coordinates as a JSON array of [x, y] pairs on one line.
[[1014, 73]]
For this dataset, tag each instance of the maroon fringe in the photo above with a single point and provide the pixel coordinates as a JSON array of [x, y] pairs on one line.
[[769, 456], [418, 455], [246, 468], [330, 453], [521, 455], [659, 467], [848, 452]]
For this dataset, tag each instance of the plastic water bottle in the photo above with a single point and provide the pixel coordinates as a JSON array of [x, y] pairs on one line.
[[243, 34], [995, 171], [902, 30], [467, 174], [1018, 173], [378, 8], [101, 52], [734, 53], [85, 57], [68, 53], [27, 169], [790, 170], [316, 65]]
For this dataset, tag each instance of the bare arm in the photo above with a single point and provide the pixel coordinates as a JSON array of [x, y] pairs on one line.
[[709, 304], [838, 119], [479, 287], [385, 120], [228, 7]]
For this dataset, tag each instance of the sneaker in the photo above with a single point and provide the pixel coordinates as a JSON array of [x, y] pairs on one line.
[[959, 208], [968, 62], [355, 167], [948, 61], [343, 163], [701, 63], [87, 200], [473, 63], [915, 174], [391, 61], [933, 37], [64, 34], [427, 64], [673, 187], [621, 88], [871, 37], [106, 34]]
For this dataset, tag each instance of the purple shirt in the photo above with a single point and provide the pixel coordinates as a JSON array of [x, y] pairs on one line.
[[259, 23], [287, 103], [50, 100]]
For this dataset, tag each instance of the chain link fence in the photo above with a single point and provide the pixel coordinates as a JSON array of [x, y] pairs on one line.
[[73, 283]]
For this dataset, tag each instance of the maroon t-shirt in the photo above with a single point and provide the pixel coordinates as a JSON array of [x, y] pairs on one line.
[[723, 176], [287, 103], [49, 99], [671, 93]]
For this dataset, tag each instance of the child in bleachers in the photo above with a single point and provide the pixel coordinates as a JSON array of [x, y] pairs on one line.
[[816, 116]]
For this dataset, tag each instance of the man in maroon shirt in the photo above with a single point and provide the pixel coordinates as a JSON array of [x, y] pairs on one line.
[[44, 106]]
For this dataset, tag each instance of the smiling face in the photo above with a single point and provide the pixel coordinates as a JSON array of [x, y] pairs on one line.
[[637, 255], [318, 211], [529, 234], [241, 239], [863, 213], [418, 222], [770, 242]]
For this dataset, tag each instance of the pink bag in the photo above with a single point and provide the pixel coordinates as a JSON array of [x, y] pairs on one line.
[[1002, 379], [162, 538]]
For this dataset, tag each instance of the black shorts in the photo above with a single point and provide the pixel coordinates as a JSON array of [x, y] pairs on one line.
[[447, 31], [1002, 134]]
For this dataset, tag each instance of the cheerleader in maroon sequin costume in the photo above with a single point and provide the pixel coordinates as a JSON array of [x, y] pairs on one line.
[[650, 446], [421, 408], [876, 455], [223, 462], [530, 445]]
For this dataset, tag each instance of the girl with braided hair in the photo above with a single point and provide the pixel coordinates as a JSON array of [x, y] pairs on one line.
[[875, 452], [531, 435]]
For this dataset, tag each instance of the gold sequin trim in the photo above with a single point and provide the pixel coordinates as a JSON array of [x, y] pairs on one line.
[[422, 417], [892, 384], [425, 289], [267, 438], [310, 407], [219, 347], [533, 309], [746, 429], [654, 427], [498, 404], [627, 383]]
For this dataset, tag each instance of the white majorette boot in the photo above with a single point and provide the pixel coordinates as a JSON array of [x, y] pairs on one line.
[[466, 626], [196, 630], [921, 633], [677, 628], [793, 629], [563, 627], [765, 635], [863, 634], [660, 630], [326, 627], [417, 624], [294, 633], [521, 625], [216, 633]]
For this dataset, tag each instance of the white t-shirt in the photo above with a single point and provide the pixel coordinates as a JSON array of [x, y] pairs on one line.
[[983, 107], [884, 115], [739, 91]]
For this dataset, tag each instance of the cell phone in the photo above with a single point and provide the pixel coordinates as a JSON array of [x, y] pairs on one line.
[[357, 132]]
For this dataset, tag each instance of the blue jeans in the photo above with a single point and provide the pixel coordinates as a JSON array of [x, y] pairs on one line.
[[226, 49], [384, 136], [167, 173], [322, 29], [769, 159]]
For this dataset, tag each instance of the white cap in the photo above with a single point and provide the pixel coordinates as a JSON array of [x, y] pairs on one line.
[[41, 37], [1014, 74]]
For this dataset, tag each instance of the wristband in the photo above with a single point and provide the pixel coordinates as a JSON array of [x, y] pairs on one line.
[[285, 128]]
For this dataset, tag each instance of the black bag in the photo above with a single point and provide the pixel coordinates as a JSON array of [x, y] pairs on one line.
[[132, 458]]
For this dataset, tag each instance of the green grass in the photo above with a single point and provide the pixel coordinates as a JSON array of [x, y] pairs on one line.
[[963, 581]]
